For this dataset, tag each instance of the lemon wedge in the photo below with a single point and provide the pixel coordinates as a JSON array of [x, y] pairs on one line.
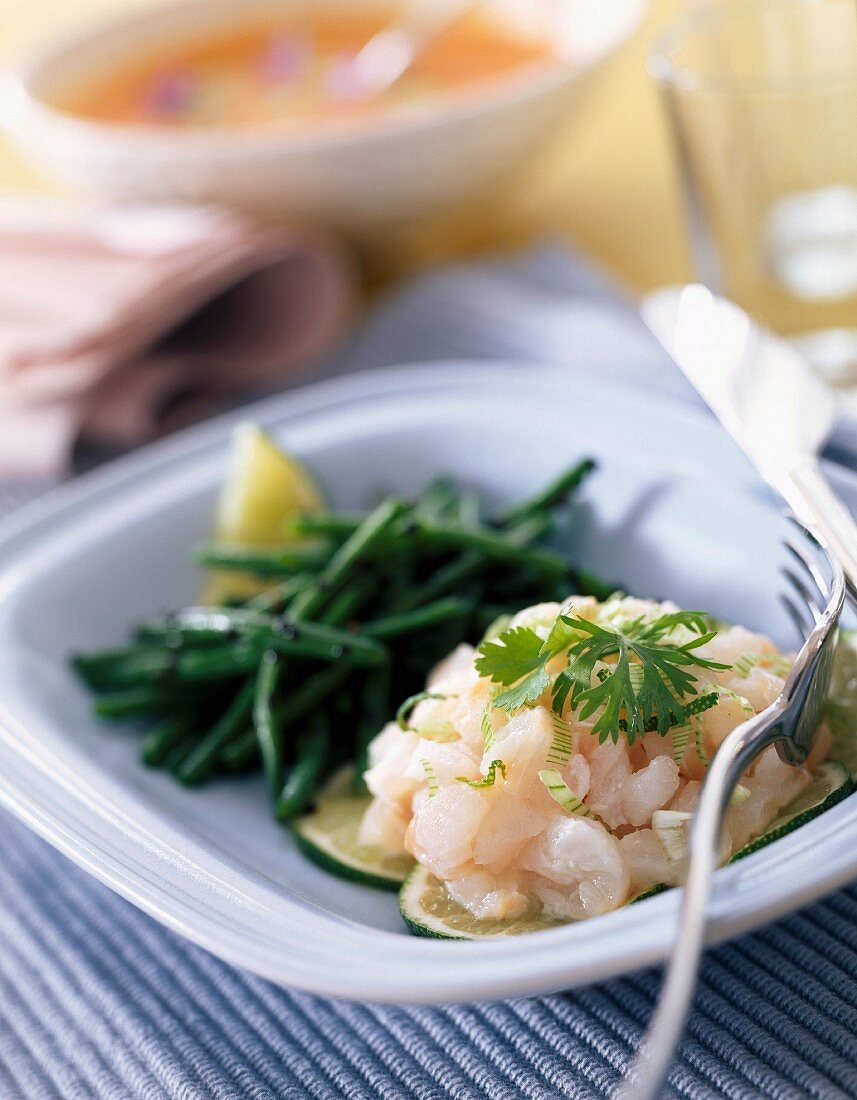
[[264, 488]]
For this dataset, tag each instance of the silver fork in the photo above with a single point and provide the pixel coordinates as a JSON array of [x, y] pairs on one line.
[[813, 599]]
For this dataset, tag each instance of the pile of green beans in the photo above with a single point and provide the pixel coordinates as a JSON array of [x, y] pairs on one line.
[[355, 611]]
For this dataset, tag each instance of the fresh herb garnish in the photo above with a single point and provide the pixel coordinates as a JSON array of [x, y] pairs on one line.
[[404, 711], [561, 793], [515, 658], [487, 780], [641, 673]]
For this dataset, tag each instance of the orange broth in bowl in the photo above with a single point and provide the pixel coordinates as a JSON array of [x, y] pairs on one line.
[[293, 72]]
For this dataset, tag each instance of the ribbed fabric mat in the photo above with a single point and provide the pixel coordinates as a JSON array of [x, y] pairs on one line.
[[99, 1002]]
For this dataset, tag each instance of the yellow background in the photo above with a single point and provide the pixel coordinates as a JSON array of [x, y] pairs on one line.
[[607, 184]]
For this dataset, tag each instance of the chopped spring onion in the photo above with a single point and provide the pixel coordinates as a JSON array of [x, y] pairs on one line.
[[489, 735], [699, 744], [562, 743], [778, 663], [403, 713], [740, 794], [672, 828], [488, 780], [440, 730], [431, 776], [681, 736], [682, 733], [561, 793], [726, 693]]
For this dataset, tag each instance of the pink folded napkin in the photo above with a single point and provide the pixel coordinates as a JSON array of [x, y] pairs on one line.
[[117, 326]]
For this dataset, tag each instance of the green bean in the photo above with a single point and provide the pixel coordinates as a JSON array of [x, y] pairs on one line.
[[529, 530], [201, 623], [442, 581], [416, 579], [238, 753], [440, 498], [261, 563], [200, 761], [228, 662], [338, 525], [345, 605], [373, 529], [243, 626], [267, 728], [137, 701], [162, 740], [276, 597], [493, 545], [304, 775], [115, 669], [469, 509], [230, 761], [411, 621], [312, 693], [177, 753], [194, 624], [559, 490]]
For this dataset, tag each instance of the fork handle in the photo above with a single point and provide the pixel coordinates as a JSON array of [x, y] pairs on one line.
[[814, 502], [736, 753]]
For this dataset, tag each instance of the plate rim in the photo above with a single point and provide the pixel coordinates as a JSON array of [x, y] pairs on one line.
[[530, 965]]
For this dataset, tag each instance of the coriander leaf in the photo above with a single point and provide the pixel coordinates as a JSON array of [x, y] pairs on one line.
[[525, 692], [518, 660], [656, 703], [562, 634], [617, 697], [506, 659], [633, 701], [613, 692], [698, 622], [640, 689]]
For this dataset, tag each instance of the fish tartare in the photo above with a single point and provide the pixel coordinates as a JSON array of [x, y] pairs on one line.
[[555, 769]]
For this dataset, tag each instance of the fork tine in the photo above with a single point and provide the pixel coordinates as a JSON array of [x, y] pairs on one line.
[[804, 590], [799, 553], [797, 615]]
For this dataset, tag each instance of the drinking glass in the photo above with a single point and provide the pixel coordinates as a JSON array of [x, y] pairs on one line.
[[762, 95]]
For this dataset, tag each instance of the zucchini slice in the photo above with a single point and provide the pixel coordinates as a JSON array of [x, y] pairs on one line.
[[428, 910], [328, 836]]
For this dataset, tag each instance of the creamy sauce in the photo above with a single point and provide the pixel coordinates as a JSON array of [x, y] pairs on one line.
[[292, 74]]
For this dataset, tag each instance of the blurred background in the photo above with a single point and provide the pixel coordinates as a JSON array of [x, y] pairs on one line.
[[605, 180], [213, 194]]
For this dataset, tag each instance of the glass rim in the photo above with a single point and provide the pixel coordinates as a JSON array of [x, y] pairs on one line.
[[713, 13]]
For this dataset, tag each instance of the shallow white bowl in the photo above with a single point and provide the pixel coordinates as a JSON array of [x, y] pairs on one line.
[[360, 177], [672, 511]]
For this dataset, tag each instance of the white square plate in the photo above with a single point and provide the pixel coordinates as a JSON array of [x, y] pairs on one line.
[[673, 511]]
